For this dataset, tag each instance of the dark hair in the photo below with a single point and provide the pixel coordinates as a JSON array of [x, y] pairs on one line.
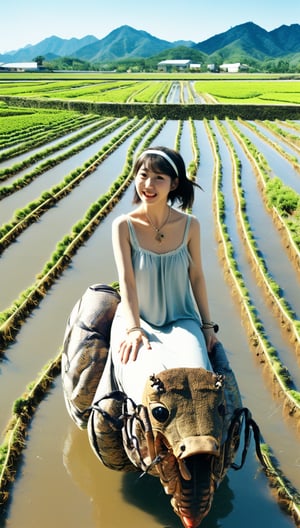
[[184, 191]]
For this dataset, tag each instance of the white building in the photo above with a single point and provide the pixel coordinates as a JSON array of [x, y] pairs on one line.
[[18, 66], [235, 67], [195, 66], [174, 64]]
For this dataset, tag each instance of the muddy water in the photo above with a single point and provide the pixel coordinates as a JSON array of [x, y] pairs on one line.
[[267, 412], [57, 222], [60, 482], [59, 459], [279, 265]]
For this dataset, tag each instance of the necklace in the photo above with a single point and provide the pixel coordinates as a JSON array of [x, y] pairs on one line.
[[159, 236]]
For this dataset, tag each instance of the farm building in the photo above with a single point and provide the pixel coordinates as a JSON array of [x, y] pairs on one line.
[[195, 66], [234, 67], [19, 66], [174, 64]]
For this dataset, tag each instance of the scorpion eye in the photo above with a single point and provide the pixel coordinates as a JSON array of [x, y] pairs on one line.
[[160, 413]]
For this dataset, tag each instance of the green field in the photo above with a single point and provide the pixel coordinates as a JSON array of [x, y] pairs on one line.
[[113, 88], [251, 91]]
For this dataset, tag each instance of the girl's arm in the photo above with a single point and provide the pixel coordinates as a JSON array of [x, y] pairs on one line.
[[198, 282], [128, 292]]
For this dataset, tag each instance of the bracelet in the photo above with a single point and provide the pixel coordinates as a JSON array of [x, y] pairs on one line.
[[134, 329], [210, 325]]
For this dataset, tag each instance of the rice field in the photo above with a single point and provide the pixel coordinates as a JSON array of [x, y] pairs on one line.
[[157, 91], [64, 177]]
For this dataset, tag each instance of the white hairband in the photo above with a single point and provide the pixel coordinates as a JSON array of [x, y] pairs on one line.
[[163, 155]]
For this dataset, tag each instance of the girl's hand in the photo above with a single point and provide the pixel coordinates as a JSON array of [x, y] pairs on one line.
[[210, 338], [130, 346]]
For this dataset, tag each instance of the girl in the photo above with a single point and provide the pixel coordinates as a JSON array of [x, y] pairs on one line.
[[163, 320]]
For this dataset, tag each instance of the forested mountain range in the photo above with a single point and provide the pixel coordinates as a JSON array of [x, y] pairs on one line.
[[242, 43]]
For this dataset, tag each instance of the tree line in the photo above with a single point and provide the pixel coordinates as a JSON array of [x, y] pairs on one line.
[[139, 65]]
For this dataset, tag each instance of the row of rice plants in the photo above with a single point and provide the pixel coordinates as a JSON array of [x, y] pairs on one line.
[[29, 214], [12, 111], [114, 92], [105, 125], [253, 92], [186, 94], [281, 308], [144, 91], [43, 137], [12, 317], [59, 85], [234, 91], [281, 134], [34, 119], [194, 164], [291, 124], [126, 94], [20, 122], [279, 98], [91, 87], [15, 435], [287, 317], [17, 139], [154, 92], [287, 496], [282, 202], [181, 96], [257, 334], [162, 95], [62, 88], [24, 407], [118, 91], [14, 87]]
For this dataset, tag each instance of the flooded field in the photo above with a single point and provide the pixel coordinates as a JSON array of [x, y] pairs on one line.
[[58, 481]]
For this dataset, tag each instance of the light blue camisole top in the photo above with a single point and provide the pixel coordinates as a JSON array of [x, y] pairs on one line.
[[162, 280]]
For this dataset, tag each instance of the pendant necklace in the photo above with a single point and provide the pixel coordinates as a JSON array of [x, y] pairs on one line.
[[159, 236]]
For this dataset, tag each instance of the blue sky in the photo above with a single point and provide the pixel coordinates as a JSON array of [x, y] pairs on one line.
[[30, 21]]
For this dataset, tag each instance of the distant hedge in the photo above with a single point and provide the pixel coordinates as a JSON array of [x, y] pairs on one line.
[[159, 111]]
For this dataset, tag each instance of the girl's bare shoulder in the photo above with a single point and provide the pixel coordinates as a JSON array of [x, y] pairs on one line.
[[194, 222], [120, 223], [180, 216]]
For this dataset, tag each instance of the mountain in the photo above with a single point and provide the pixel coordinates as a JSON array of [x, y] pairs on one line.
[[287, 38], [49, 48], [251, 40], [242, 43], [123, 42]]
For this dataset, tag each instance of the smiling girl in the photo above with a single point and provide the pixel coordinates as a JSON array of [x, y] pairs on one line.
[[163, 320]]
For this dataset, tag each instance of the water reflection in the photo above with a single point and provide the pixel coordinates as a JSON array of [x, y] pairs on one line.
[[136, 500], [126, 500], [147, 494]]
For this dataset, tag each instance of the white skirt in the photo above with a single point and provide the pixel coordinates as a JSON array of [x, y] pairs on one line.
[[179, 344]]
